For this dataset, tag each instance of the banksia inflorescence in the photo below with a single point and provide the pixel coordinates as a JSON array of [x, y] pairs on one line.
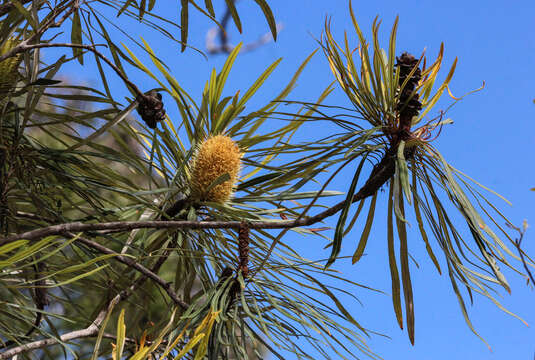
[[215, 157], [9, 72]]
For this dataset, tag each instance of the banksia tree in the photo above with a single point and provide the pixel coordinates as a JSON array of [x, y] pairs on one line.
[[170, 242]]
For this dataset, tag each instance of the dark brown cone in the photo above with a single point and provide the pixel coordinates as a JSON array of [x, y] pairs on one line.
[[243, 249], [151, 109], [407, 107]]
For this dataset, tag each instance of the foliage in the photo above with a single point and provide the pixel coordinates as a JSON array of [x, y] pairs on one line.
[[108, 249]]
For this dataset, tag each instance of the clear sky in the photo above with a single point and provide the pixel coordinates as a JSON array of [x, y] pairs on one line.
[[492, 140]]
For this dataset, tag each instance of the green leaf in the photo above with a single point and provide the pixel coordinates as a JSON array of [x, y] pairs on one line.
[[234, 14], [394, 274], [256, 85], [76, 36], [429, 105], [232, 112], [401, 168], [339, 231], [269, 17], [209, 7], [44, 82], [27, 15], [190, 345], [366, 232], [105, 128], [184, 23], [101, 332], [12, 246], [81, 276], [25, 252], [223, 75], [462, 304], [420, 223], [258, 180], [355, 217], [405, 273], [125, 6], [220, 180]]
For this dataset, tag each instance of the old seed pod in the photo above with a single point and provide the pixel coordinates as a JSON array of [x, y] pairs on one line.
[[216, 156], [151, 109]]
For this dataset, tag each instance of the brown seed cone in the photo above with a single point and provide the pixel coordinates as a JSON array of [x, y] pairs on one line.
[[408, 106], [151, 109], [243, 249]]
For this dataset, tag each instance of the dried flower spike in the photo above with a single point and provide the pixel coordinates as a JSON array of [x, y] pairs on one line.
[[215, 157], [243, 249]]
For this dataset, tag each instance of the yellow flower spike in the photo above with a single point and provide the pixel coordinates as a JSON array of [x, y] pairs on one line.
[[9, 68], [215, 157]]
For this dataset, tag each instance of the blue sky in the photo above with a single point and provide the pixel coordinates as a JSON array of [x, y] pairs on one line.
[[492, 140]]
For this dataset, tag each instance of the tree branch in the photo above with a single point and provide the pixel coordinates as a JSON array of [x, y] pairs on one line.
[[91, 330], [138, 267], [381, 173]]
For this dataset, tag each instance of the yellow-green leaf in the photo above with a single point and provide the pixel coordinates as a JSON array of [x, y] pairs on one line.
[[121, 336]]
